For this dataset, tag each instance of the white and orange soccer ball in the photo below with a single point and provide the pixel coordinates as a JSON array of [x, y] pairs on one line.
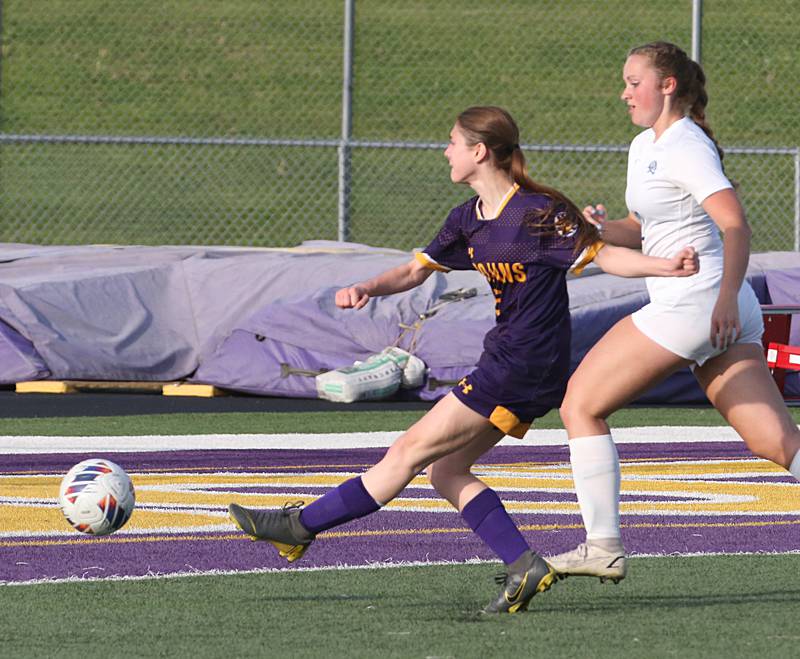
[[97, 496]]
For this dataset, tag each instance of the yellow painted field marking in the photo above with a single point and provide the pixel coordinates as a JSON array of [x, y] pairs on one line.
[[191, 500]]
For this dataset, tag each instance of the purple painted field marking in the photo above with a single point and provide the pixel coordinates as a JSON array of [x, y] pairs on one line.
[[384, 532], [393, 536]]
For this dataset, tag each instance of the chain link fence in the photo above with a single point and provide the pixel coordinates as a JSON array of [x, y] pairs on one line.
[[204, 122]]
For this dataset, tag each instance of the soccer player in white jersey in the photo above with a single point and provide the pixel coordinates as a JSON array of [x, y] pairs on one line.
[[677, 194]]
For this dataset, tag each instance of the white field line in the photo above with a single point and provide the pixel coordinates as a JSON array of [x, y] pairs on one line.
[[33, 444], [367, 566]]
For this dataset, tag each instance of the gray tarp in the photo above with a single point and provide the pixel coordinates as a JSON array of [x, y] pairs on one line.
[[159, 313], [140, 313]]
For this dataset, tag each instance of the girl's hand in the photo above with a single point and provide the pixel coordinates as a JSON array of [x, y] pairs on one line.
[[685, 263], [352, 297], [725, 325], [595, 215]]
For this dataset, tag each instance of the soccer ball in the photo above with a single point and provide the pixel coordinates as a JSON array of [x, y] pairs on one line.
[[97, 497]]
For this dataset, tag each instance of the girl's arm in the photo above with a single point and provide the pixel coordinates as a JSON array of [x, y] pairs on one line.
[[626, 232], [626, 262], [401, 278], [726, 211]]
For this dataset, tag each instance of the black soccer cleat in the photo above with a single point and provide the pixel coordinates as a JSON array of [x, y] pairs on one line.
[[520, 587], [282, 528]]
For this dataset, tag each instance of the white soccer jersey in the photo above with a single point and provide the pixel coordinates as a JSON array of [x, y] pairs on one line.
[[668, 180]]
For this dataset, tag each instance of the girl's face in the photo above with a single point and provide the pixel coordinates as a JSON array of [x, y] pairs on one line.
[[462, 157], [645, 95]]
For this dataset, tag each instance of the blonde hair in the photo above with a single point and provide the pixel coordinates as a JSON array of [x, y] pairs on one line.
[[670, 61]]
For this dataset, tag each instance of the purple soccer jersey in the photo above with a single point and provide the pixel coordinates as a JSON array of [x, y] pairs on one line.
[[523, 370]]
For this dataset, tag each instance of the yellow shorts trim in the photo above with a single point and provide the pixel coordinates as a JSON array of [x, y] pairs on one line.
[[508, 422]]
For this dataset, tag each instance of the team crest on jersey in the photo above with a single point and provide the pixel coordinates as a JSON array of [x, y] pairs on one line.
[[652, 167], [565, 227]]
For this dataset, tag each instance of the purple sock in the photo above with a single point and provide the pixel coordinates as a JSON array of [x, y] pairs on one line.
[[350, 500], [487, 516]]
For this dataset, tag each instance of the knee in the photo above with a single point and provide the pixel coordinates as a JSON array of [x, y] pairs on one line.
[[437, 476], [440, 474], [407, 454], [565, 412], [432, 474], [577, 407], [570, 409]]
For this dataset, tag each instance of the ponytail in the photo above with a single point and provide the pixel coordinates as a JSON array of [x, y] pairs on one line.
[[670, 61], [497, 130], [697, 98]]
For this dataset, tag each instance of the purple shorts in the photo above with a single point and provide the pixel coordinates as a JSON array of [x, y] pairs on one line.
[[510, 403]]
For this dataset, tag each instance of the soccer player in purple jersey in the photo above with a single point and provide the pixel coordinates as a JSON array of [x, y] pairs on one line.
[[523, 237]]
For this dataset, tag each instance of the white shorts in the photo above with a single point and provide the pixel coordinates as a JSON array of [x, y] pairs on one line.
[[682, 323]]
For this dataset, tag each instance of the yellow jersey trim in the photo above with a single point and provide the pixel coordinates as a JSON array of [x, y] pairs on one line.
[[508, 422], [587, 256], [500, 208], [428, 262]]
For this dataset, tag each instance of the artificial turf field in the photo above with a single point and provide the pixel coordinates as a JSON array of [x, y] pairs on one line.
[[732, 606], [672, 604]]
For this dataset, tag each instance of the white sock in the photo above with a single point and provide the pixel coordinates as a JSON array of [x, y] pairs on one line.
[[595, 471], [794, 468]]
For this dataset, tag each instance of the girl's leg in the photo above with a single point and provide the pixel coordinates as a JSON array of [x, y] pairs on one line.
[[620, 367], [451, 475], [486, 515], [448, 426], [478, 504], [738, 383]]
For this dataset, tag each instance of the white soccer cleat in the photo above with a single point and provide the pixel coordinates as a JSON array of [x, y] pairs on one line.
[[588, 560]]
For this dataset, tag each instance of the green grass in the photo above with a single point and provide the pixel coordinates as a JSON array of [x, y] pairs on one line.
[[731, 606], [320, 422], [166, 194], [154, 67], [248, 68]]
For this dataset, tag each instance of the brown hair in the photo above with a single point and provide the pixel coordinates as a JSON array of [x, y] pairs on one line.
[[496, 129], [691, 96]]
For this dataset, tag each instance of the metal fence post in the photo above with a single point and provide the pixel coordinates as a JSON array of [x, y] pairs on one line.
[[797, 199], [75, 169], [697, 30], [347, 122], [1, 51]]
